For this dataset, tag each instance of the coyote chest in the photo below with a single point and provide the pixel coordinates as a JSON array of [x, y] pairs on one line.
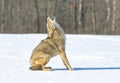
[[45, 47]]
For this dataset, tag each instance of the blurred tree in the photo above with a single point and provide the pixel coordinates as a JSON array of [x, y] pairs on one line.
[[75, 16]]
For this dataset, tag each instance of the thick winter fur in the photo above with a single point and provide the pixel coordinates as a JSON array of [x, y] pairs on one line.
[[53, 45]]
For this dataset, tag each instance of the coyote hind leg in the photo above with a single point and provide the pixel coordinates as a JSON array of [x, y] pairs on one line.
[[39, 64], [36, 67]]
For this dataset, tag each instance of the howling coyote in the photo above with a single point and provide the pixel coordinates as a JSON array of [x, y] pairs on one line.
[[53, 45]]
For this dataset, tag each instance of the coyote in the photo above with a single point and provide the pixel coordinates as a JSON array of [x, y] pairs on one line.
[[53, 45]]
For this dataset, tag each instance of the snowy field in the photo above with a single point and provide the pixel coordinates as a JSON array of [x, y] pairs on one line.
[[95, 59]]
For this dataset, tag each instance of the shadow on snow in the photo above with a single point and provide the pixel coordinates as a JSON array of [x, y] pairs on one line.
[[89, 68]]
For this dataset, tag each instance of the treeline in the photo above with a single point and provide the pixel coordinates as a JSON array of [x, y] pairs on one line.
[[75, 16]]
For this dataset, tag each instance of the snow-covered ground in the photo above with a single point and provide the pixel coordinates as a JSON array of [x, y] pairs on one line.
[[95, 59]]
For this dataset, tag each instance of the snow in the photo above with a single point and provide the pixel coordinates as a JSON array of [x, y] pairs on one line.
[[95, 59]]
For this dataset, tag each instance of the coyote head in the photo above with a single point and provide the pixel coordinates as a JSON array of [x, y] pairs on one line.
[[50, 26], [54, 29]]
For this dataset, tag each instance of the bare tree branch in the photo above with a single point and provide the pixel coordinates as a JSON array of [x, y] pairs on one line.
[[108, 10], [93, 16], [114, 15], [3, 17], [79, 14], [38, 18]]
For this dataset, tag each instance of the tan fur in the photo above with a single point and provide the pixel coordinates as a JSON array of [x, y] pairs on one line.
[[53, 45]]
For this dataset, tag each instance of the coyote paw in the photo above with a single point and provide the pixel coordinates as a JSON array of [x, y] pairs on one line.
[[47, 69]]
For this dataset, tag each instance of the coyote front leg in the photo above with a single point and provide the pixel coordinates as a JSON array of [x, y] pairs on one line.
[[64, 58]]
